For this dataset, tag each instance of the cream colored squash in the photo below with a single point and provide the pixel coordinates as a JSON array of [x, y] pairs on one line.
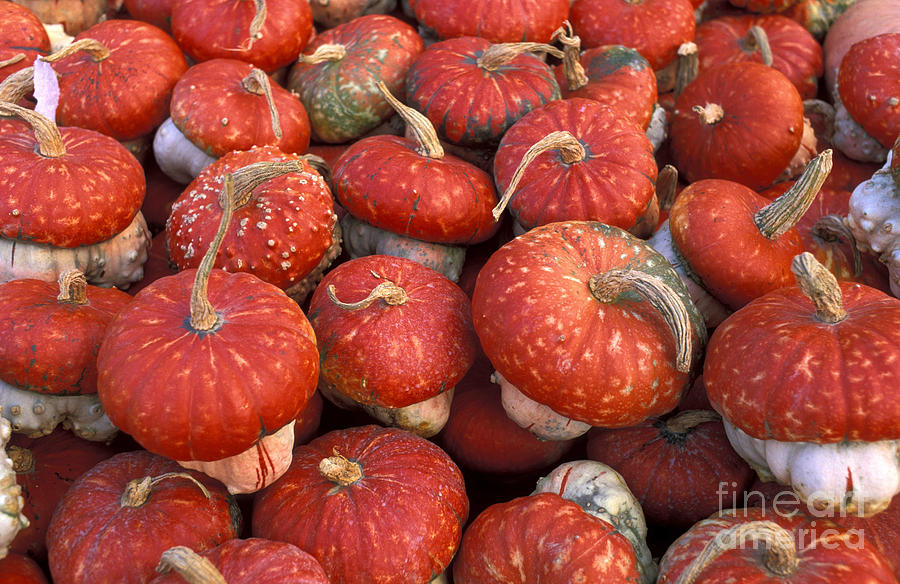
[[178, 157], [425, 418], [845, 477], [35, 414], [118, 261], [537, 418], [255, 468], [11, 501]]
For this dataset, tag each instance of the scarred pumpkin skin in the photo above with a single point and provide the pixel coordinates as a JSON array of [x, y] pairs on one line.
[[91, 520], [606, 364], [822, 364], [613, 183], [217, 112], [409, 488], [469, 104], [87, 195], [745, 146], [869, 85], [499, 21], [206, 368], [340, 96], [125, 95], [392, 355], [210, 29], [539, 538], [23, 34], [619, 77], [50, 346]]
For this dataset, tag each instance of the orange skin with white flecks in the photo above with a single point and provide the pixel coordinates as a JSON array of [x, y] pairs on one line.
[[214, 392], [608, 364], [384, 181], [392, 356], [656, 28], [126, 95], [713, 227], [217, 114], [280, 235], [499, 21], [21, 32], [853, 366], [213, 29], [613, 184], [86, 196], [400, 522], [543, 538], [869, 85]]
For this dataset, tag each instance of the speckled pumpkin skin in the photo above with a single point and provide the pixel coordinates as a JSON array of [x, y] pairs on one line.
[[409, 489], [869, 86], [22, 33], [86, 196], [852, 366], [153, 366], [499, 21], [469, 104], [543, 538], [392, 356], [606, 364], [340, 96]]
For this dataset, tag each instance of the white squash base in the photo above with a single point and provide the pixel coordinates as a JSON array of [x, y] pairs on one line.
[[178, 157], [851, 139], [821, 473], [534, 416], [35, 414], [255, 468], [11, 501]]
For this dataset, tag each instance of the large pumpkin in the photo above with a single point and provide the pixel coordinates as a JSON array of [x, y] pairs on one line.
[[499, 21]]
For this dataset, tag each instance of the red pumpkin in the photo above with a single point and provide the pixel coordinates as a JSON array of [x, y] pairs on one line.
[[268, 34], [114, 521], [52, 332], [869, 86], [348, 489], [499, 21], [655, 28], [336, 76], [22, 38], [242, 561], [680, 469], [398, 349], [719, 129], [18, 569], [283, 224], [65, 186], [603, 171], [799, 548], [45, 469], [121, 83], [543, 538], [156, 12], [553, 324], [473, 91], [861, 20], [791, 48]]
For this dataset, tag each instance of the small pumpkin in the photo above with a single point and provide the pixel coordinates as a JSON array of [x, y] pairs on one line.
[[868, 81]]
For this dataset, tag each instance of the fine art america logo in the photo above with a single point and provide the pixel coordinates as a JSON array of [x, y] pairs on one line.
[[823, 530]]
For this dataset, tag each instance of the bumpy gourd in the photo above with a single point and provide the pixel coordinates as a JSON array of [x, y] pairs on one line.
[[11, 501]]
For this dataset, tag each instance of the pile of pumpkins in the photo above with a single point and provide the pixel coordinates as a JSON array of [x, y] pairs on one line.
[[470, 291]]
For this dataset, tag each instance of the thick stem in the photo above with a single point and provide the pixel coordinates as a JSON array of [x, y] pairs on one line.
[[340, 469], [138, 491], [203, 315], [758, 40], [607, 287], [392, 294], [781, 552], [500, 54], [420, 126], [777, 217], [572, 66], [711, 114], [247, 178], [666, 186], [820, 286], [831, 228], [570, 149], [686, 66], [684, 421], [323, 53], [257, 83], [72, 287], [194, 568], [259, 19], [95, 49], [17, 86], [50, 144]]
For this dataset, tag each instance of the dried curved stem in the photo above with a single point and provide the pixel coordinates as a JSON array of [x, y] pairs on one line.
[[137, 491], [758, 40], [257, 83], [820, 286], [392, 294], [419, 125], [194, 568], [50, 144], [203, 314], [247, 178], [97, 50], [324, 53], [500, 54], [777, 217], [574, 70]]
